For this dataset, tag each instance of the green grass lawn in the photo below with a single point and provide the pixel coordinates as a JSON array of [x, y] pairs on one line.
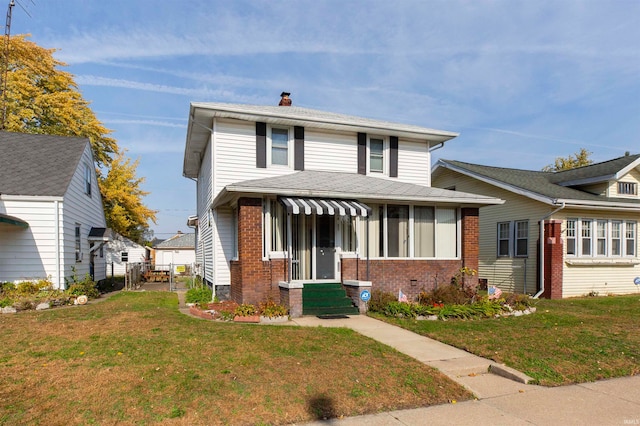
[[134, 359], [565, 341]]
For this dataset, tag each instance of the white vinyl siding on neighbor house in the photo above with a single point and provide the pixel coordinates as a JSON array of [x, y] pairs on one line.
[[30, 254], [626, 186], [118, 244], [510, 273], [89, 213]]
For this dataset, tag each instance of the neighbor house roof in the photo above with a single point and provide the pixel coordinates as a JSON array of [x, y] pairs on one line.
[[201, 122], [38, 164], [550, 187], [178, 241], [320, 184]]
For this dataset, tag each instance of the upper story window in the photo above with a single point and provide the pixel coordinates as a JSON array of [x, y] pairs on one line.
[[376, 155], [87, 179], [627, 188], [600, 238], [279, 146]]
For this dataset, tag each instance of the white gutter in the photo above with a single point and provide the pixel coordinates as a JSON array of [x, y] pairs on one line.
[[57, 236], [541, 256]]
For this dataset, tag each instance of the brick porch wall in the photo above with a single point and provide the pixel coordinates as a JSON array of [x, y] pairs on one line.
[[470, 243], [553, 259], [410, 276], [252, 279]]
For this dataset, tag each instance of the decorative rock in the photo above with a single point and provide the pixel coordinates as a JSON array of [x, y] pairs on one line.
[[81, 300], [517, 313], [42, 306], [432, 318], [9, 310]]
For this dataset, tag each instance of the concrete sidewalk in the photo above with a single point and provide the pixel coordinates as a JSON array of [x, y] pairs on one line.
[[501, 400]]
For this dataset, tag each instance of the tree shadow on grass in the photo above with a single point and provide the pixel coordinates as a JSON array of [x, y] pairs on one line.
[[321, 407]]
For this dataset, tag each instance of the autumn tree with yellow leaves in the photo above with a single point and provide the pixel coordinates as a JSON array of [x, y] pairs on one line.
[[42, 98]]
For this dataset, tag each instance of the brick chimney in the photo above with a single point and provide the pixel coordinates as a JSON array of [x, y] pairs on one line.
[[285, 101]]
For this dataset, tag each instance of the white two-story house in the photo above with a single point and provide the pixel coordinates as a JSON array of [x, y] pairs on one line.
[[290, 199]]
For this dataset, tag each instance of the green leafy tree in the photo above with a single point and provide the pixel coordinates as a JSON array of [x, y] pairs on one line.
[[42, 98], [579, 159]]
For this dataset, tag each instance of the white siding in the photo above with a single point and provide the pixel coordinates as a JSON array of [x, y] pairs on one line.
[[234, 155], [29, 254], [335, 152], [88, 212], [414, 162], [224, 245], [205, 227]]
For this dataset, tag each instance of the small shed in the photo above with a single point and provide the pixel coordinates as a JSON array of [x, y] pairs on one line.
[[178, 252]]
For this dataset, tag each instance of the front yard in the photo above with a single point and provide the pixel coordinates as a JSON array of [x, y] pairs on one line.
[[565, 341], [135, 359]]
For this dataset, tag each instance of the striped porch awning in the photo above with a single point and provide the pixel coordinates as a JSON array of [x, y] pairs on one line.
[[320, 206]]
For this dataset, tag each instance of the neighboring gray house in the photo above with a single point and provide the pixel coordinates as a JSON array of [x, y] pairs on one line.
[[51, 215], [178, 251]]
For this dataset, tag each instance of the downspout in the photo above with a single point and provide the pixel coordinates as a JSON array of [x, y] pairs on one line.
[[57, 236], [368, 244], [289, 246], [541, 255], [433, 148]]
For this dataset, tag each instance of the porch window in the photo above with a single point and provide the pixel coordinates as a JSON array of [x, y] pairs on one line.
[[586, 237], [411, 232], [571, 236], [348, 233], [274, 227], [630, 238], [600, 238], [616, 238], [398, 223], [424, 231]]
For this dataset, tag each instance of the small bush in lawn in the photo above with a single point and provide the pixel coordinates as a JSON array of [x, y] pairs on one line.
[[199, 295], [517, 301], [379, 300], [449, 294], [85, 287]]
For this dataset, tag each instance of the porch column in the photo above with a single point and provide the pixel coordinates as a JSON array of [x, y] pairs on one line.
[[470, 243]]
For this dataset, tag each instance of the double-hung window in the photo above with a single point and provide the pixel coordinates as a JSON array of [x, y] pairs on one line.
[[376, 155], [513, 239], [630, 238], [279, 146]]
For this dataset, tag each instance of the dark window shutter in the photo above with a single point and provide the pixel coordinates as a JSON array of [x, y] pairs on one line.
[[298, 148], [261, 145], [393, 156], [362, 153]]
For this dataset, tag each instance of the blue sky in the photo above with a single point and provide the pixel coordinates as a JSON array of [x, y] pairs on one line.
[[523, 82]]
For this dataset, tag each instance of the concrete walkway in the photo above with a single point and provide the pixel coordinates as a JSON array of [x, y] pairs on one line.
[[501, 400]]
